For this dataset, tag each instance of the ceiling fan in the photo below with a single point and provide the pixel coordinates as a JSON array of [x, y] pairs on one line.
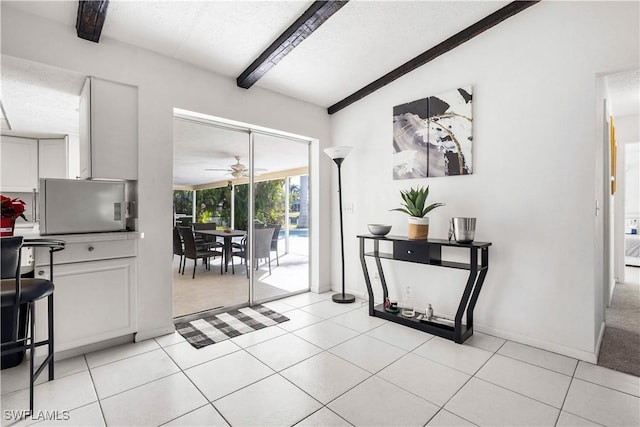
[[238, 170]]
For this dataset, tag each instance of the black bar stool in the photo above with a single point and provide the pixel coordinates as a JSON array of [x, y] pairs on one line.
[[19, 295]]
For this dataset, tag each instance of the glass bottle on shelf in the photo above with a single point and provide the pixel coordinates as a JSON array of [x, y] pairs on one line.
[[407, 305], [429, 313]]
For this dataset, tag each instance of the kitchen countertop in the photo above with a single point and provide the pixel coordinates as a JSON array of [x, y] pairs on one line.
[[34, 233]]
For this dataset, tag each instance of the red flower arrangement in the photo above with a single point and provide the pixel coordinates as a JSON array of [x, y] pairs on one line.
[[12, 208]]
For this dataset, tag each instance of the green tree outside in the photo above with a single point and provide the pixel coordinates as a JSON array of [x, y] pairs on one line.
[[216, 203], [213, 203], [269, 203], [294, 195], [183, 201]]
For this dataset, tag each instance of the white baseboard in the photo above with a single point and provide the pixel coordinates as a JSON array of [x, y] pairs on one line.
[[320, 289], [89, 348], [153, 333], [599, 342], [591, 357], [586, 356], [357, 294]]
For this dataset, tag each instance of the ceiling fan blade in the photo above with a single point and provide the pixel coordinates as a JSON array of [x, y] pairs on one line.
[[218, 170]]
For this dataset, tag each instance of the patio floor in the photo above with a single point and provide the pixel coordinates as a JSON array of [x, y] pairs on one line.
[[211, 290]]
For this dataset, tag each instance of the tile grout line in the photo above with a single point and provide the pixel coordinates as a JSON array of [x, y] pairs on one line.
[[139, 385], [124, 358], [518, 393], [331, 319], [375, 374], [582, 416], [95, 390], [447, 366], [462, 386], [190, 412], [260, 361], [602, 385], [574, 371], [196, 387], [341, 394], [566, 394], [434, 336], [279, 373], [573, 376], [371, 374], [320, 409]]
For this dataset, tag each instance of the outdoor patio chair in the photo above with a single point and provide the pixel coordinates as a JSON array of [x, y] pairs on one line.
[[211, 240], [274, 240], [178, 249], [191, 251], [262, 247]]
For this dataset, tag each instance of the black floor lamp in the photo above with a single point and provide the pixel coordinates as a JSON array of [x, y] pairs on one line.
[[338, 155]]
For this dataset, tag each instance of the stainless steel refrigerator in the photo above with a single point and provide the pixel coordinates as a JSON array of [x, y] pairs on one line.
[[74, 206]]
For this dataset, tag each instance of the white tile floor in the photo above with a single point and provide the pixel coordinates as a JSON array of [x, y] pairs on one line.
[[331, 365]]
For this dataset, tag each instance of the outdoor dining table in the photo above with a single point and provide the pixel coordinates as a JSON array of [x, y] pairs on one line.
[[227, 235]]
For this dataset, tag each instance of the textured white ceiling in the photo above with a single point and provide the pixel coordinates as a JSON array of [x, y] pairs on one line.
[[365, 40], [40, 98], [361, 42]]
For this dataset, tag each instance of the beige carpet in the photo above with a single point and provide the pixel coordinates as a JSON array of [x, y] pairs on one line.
[[210, 290], [620, 349]]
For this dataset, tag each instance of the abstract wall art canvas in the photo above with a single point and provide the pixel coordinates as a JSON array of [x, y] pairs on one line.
[[433, 136]]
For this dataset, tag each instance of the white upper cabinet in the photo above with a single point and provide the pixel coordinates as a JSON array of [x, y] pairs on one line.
[[84, 136], [108, 130], [25, 160], [19, 164], [53, 158]]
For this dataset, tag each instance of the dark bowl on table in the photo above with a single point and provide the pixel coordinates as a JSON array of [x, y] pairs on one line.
[[379, 229]]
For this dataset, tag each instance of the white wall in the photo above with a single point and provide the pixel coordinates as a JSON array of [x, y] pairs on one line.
[[627, 197], [537, 159], [628, 137], [627, 128], [164, 84], [632, 179]]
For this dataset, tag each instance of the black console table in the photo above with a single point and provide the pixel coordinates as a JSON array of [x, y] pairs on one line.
[[429, 252]]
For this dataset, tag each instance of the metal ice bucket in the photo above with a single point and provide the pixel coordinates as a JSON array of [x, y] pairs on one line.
[[464, 229]]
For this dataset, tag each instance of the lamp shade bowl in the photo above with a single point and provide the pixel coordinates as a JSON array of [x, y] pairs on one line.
[[339, 152]]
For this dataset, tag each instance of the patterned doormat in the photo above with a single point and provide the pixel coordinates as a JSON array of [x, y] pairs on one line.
[[206, 328]]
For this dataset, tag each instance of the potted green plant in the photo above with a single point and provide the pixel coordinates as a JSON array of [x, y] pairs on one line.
[[414, 206]]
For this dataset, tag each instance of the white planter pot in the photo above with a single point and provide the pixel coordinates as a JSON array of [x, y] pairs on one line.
[[418, 228]]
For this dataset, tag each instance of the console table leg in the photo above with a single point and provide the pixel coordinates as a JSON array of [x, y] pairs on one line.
[[367, 280], [383, 282], [462, 307], [464, 301], [478, 286]]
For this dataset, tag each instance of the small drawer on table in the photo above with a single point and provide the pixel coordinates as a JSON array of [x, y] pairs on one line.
[[419, 252], [88, 251]]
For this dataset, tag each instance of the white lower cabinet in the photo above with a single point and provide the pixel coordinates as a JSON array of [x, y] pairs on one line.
[[93, 300]]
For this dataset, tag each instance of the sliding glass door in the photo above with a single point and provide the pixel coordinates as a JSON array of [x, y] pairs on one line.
[[280, 238], [252, 189]]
